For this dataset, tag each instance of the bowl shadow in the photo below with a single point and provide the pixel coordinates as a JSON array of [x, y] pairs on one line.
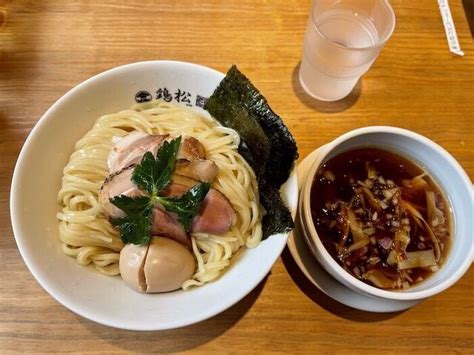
[[319, 105], [175, 340], [326, 302]]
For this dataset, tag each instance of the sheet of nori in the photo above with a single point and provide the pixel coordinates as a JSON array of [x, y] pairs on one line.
[[266, 143], [283, 146], [224, 105], [277, 218]]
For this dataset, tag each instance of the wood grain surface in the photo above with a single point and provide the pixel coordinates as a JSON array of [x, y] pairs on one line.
[[47, 47]]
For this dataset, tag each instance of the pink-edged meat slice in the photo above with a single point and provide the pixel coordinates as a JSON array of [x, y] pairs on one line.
[[216, 215], [166, 224], [131, 148], [117, 184]]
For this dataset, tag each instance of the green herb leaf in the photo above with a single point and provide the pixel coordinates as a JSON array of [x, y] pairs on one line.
[[153, 175], [135, 226], [144, 174], [187, 205]]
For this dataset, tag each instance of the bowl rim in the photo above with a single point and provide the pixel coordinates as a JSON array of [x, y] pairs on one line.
[[331, 265], [21, 242]]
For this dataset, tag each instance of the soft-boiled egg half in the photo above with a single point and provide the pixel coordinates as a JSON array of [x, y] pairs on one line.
[[161, 266]]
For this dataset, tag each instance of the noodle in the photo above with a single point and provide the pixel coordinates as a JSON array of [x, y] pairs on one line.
[[84, 230]]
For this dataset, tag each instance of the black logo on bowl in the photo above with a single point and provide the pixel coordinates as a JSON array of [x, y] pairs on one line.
[[201, 101], [180, 96], [143, 96], [164, 94]]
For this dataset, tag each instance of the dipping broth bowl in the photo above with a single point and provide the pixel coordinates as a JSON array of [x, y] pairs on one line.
[[443, 169]]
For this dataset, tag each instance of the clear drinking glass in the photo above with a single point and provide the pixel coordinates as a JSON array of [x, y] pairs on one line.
[[342, 40]]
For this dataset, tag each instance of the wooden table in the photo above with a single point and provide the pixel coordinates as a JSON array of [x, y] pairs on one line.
[[47, 47]]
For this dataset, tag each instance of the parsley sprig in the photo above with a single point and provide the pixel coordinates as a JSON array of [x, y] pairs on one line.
[[152, 176]]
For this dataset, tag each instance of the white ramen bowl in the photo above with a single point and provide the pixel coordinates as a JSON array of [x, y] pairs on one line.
[[37, 179], [442, 167]]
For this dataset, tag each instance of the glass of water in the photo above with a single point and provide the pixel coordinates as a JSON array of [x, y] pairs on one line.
[[342, 40]]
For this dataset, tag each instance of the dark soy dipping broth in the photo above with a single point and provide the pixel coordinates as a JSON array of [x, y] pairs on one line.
[[381, 217]]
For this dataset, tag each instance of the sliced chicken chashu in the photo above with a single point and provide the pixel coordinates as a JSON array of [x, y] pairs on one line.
[[216, 215], [117, 184], [191, 149], [200, 170], [191, 157], [131, 148]]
